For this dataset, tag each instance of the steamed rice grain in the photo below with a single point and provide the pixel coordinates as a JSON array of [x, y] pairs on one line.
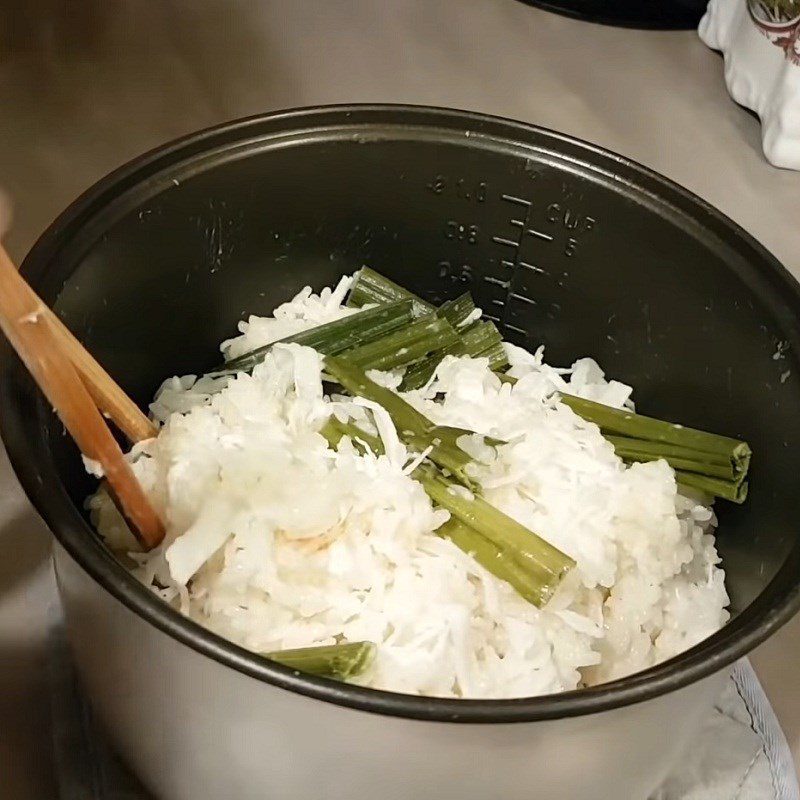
[[276, 541]]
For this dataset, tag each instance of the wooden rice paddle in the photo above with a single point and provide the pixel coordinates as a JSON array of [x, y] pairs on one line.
[[75, 385], [106, 393]]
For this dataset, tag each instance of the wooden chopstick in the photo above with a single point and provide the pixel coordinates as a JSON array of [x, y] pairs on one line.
[[106, 393], [27, 326]]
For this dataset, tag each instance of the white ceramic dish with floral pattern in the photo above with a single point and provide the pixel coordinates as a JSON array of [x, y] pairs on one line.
[[760, 40]]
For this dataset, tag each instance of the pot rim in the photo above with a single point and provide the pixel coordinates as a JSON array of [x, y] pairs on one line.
[[22, 431], [624, 13]]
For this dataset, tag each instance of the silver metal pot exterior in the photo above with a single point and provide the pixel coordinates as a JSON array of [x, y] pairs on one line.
[[192, 728]]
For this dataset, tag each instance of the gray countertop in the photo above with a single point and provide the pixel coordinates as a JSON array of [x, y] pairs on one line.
[[83, 91]]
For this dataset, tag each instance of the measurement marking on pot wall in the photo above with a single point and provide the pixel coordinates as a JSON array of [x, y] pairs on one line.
[[497, 282], [519, 200], [506, 242], [512, 291], [531, 267], [562, 224]]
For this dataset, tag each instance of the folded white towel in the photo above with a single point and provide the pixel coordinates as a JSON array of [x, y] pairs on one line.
[[742, 753]]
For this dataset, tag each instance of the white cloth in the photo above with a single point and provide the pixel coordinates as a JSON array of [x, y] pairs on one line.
[[741, 753]]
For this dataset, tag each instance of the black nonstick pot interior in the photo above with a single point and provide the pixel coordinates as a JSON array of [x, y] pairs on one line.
[[562, 243]]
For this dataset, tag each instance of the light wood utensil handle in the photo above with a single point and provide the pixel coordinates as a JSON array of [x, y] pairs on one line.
[[26, 324], [107, 394]]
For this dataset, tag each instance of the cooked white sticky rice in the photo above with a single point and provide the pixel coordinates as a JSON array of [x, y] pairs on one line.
[[275, 540]]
